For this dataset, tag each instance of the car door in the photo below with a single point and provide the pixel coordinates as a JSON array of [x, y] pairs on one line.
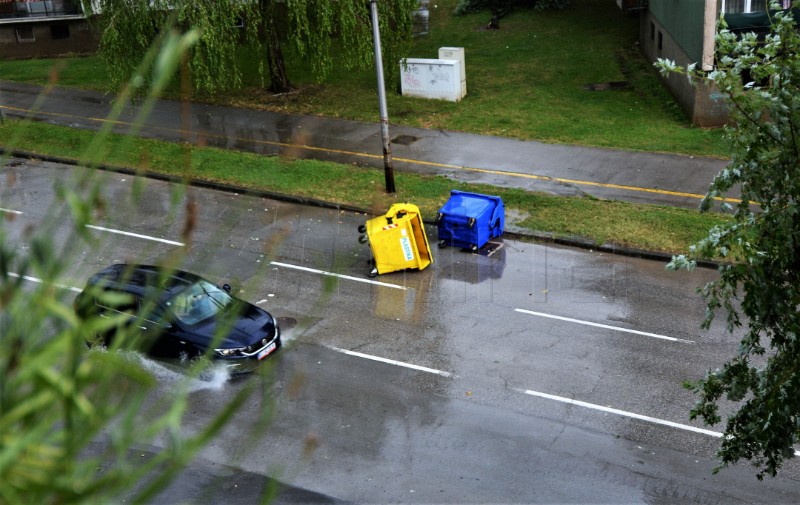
[[163, 333], [120, 307]]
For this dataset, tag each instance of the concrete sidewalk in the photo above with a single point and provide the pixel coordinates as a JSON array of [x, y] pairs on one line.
[[560, 169]]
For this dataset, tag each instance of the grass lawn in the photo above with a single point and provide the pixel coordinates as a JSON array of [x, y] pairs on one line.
[[527, 80], [648, 227]]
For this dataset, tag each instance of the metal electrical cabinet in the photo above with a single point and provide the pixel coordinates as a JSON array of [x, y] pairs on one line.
[[470, 220]]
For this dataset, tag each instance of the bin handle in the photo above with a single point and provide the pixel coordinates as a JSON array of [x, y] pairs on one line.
[[496, 212]]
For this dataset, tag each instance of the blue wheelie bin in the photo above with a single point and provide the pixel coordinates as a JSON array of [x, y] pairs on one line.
[[470, 220]]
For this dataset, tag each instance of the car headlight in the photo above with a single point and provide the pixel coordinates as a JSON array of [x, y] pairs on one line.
[[225, 353]]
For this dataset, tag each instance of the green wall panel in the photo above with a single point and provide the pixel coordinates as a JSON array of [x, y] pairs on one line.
[[683, 20]]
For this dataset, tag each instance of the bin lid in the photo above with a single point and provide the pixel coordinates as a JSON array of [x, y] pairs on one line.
[[469, 204]]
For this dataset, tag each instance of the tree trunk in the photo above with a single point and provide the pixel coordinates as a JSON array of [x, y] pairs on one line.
[[278, 79], [499, 9]]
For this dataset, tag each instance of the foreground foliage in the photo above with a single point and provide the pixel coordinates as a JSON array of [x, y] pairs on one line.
[[73, 421], [759, 291]]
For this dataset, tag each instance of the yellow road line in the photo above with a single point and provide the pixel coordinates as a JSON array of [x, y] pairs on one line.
[[574, 182]]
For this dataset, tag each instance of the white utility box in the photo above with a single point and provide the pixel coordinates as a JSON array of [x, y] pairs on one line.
[[456, 53], [427, 78]]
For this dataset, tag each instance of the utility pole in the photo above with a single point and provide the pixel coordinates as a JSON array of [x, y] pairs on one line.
[[387, 150]]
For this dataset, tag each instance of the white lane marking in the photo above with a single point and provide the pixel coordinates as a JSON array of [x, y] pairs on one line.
[[390, 361], [610, 410], [348, 277], [40, 281], [9, 211], [605, 326], [620, 412], [129, 234]]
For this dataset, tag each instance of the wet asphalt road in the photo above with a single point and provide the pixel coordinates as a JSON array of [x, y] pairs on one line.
[[640, 177], [539, 374]]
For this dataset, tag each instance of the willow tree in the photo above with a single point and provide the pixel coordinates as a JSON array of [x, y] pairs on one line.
[[319, 33], [758, 289]]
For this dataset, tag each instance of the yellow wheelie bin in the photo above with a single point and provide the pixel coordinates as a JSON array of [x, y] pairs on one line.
[[397, 240]]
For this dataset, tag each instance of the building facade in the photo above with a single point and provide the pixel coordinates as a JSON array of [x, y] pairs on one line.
[[39, 29], [684, 31]]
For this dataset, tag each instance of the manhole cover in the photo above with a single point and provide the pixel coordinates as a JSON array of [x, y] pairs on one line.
[[405, 140], [491, 247], [604, 86], [287, 323]]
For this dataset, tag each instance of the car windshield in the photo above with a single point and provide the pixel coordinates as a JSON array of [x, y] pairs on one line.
[[198, 302]]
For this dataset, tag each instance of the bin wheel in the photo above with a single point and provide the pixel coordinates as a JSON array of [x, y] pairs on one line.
[[373, 273], [473, 248], [442, 243], [363, 239], [362, 228], [471, 222]]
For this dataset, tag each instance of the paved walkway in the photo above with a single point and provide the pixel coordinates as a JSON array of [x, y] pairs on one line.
[[566, 170]]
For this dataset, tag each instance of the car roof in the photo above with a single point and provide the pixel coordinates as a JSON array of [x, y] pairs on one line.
[[143, 279]]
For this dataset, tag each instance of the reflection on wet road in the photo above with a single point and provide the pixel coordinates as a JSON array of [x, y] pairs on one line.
[[536, 374]]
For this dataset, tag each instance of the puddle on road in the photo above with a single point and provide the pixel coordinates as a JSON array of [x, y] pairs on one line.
[[170, 376], [214, 378], [286, 323]]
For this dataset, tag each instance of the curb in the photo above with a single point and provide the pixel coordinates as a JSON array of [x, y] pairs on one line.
[[543, 237]]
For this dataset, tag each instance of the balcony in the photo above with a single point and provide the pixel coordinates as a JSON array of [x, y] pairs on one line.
[[29, 9], [632, 5]]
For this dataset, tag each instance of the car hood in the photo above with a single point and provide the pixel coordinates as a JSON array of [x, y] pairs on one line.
[[253, 324]]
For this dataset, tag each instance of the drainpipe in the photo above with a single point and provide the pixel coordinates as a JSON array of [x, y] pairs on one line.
[[709, 33]]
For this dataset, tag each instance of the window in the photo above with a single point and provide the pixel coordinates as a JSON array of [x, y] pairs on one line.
[[198, 302], [59, 32], [150, 311], [746, 6], [25, 34], [660, 40]]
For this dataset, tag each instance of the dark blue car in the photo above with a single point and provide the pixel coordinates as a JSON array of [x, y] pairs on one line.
[[174, 314]]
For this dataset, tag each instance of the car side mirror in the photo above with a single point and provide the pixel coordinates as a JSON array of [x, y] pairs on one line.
[[226, 288]]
